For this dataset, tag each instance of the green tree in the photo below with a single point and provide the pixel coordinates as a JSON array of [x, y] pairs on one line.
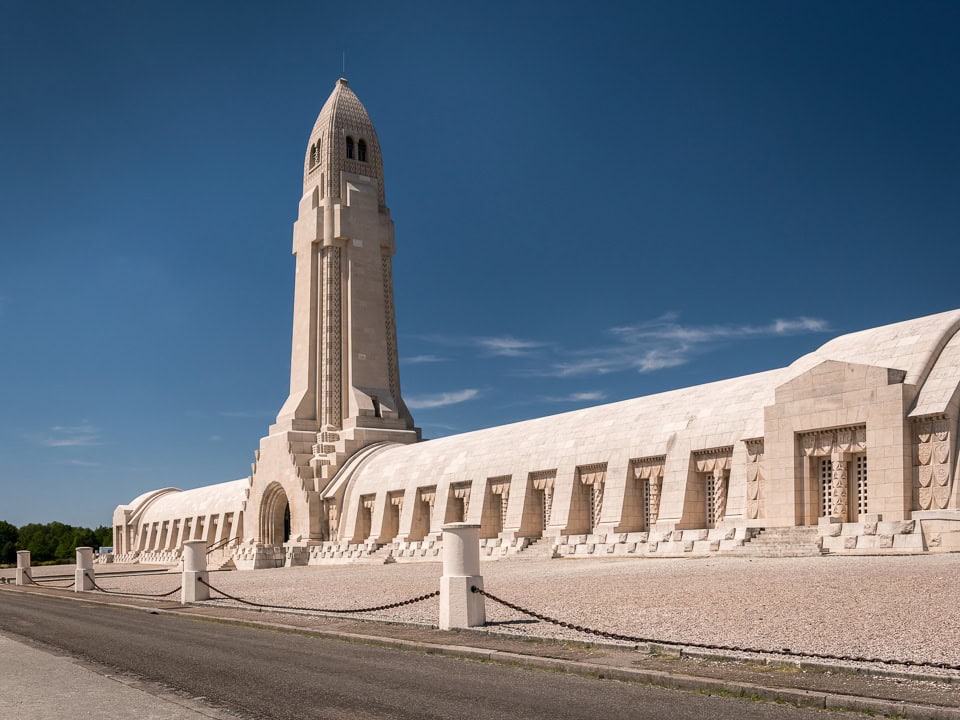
[[8, 542], [55, 541], [104, 536], [39, 540], [64, 539]]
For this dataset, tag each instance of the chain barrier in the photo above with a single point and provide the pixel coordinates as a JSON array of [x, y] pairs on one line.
[[133, 594], [708, 646], [336, 611], [38, 582]]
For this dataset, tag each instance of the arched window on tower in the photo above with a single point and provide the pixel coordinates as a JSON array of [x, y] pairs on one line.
[[362, 151], [349, 147], [314, 155]]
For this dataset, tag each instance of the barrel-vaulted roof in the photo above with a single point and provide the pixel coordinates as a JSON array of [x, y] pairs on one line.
[[172, 503]]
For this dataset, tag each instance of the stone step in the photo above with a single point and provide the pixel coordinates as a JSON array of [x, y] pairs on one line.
[[541, 549], [781, 542], [227, 564]]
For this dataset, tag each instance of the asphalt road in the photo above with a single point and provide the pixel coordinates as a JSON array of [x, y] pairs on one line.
[[272, 675]]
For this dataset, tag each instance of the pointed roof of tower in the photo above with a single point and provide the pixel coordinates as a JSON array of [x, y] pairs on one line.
[[343, 140]]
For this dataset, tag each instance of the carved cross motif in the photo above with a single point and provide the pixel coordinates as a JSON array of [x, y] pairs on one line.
[[720, 494], [839, 486], [654, 489]]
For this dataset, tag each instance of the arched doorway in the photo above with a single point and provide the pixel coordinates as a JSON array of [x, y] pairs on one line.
[[274, 516]]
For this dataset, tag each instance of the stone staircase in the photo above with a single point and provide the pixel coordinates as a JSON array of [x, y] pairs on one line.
[[222, 564], [300, 448], [802, 541], [537, 550]]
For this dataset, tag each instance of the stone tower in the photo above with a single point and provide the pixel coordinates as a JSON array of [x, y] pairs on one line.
[[344, 370]]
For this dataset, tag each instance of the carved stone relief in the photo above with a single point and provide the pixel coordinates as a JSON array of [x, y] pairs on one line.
[[838, 484], [331, 329], [333, 518], [593, 477], [932, 464], [840, 445], [501, 486], [428, 497], [754, 476], [462, 492], [825, 443], [543, 480], [393, 369], [651, 470], [716, 462]]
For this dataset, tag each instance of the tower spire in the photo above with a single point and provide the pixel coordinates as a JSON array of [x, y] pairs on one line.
[[345, 375]]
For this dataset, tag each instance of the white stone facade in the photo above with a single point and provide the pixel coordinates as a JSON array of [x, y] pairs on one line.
[[154, 527], [853, 445]]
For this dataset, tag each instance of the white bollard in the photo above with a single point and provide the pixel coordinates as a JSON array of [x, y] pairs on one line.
[[194, 570], [83, 576], [460, 607], [23, 568]]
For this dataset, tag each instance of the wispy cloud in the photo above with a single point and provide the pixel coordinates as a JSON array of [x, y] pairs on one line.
[[503, 346], [80, 463], [644, 347], [440, 426], [664, 343], [508, 346], [594, 396], [666, 329], [800, 325], [72, 436], [421, 359], [425, 402]]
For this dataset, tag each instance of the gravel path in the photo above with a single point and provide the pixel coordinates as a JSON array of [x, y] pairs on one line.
[[902, 607]]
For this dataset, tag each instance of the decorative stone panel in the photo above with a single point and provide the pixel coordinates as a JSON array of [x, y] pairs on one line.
[[333, 517], [651, 470], [396, 500], [839, 444], [331, 344], [826, 443], [544, 480], [423, 510], [501, 486], [461, 491], [931, 470], [593, 477], [714, 463], [393, 367], [754, 476]]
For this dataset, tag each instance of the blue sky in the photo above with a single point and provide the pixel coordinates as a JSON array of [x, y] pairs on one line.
[[592, 202]]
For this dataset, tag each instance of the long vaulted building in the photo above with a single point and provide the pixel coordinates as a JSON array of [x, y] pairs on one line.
[[851, 448]]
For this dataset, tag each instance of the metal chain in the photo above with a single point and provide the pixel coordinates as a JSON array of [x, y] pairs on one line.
[[133, 594], [707, 646], [339, 611], [57, 587]]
